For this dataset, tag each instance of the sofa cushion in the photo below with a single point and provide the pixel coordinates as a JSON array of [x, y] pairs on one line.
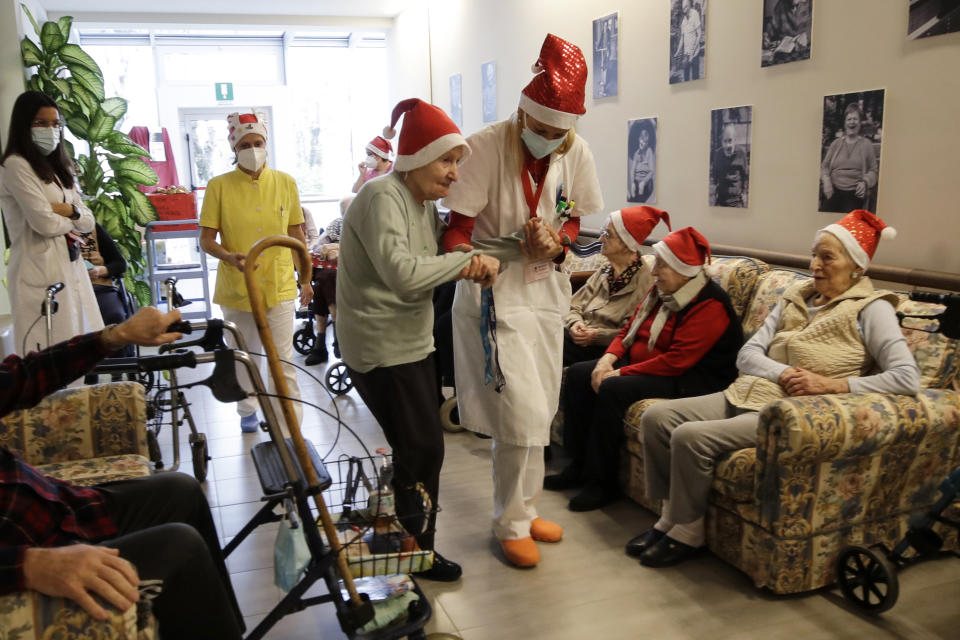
[[937, 356], [768, 293], [737, 276], [96, 470]]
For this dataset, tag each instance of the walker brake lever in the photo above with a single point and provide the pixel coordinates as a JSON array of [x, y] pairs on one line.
[[211, 340]]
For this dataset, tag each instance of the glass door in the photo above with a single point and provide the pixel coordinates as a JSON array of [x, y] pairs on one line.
[[208, 150]]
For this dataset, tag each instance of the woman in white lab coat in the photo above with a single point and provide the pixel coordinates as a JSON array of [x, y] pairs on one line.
[[44, 213], [518, 198]]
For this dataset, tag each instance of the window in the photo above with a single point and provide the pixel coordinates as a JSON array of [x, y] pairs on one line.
[[128, 73]]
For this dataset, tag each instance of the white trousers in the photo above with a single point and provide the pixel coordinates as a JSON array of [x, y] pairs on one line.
[[517, 483], [280, 317]]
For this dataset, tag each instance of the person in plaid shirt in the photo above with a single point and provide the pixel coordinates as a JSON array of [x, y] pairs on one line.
[[94, 545]]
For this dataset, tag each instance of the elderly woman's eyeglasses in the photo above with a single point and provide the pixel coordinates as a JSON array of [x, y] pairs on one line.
[[47, 123], [606, 232]]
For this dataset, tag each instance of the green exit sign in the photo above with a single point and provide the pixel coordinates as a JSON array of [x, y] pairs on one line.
[[224, 91]]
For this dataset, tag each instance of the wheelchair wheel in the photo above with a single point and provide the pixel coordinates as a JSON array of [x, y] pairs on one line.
[[338, 379], [201, 458], [303, 340], [867, 578], [450, 416], [153, 448]]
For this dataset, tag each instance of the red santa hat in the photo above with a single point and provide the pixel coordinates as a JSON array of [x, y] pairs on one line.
[[555, 95], [859, 232], [685, 251], [240, 124], [380, 147], [634, 224], [427, 134]]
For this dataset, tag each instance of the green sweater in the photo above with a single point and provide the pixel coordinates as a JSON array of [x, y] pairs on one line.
[[387, 269]]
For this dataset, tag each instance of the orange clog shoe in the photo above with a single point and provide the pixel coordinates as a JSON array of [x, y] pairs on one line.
[[545, 531], [522, 552]]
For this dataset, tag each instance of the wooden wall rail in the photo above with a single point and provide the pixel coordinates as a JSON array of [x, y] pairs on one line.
[[900, 275]]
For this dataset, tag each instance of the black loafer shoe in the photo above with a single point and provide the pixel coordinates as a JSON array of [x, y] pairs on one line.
[[592, 497], [668, 552], [644, 541], [443, 570], [569, 478]]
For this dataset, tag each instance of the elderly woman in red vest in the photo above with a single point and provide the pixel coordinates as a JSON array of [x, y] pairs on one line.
[[682, 340]]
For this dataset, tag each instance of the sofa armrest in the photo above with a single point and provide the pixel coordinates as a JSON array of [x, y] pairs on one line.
[[80, 423], [852, 457], [28, 615]]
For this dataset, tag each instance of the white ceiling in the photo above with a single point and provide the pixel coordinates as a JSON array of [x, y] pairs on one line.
[[360, 8]]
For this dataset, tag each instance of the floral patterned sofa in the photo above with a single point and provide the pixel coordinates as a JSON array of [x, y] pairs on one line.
[[86, 435], [828, 471]]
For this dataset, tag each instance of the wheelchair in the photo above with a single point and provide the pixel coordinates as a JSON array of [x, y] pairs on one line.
[[336, 378]]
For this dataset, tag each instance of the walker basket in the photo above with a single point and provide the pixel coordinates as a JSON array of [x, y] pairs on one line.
[[375, 545]]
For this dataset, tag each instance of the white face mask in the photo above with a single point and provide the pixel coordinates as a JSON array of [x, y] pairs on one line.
[[370, 162], [45, 138], [252, 159], [537, 145]]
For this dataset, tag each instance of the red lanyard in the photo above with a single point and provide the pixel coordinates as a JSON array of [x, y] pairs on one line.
[[532, 199]]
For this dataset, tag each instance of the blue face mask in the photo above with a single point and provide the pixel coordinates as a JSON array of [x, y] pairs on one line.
[[538, 146]]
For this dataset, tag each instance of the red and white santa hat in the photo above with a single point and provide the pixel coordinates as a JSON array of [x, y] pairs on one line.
[[555, 95], [380, 147], [427, 134], [859, 232], [685, 251], [240, 124], [634, 224]]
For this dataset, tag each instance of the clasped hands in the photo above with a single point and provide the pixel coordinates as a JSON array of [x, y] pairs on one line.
[[800, 382], [581, 334], [540, 241], [603, 370]]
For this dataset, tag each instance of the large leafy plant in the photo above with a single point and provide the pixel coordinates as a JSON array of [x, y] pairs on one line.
[[111, 170]]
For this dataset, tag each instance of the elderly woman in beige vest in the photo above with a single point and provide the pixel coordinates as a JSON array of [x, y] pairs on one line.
[[602, 306], [836, 334]]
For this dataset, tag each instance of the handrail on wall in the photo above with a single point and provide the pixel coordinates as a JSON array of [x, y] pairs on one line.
[[901, 275]]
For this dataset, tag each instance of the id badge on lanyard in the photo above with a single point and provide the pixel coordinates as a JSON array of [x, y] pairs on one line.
[[537, 269]]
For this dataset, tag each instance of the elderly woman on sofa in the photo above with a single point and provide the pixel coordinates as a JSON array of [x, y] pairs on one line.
[[682, 340], [836, 334], [599, 309]]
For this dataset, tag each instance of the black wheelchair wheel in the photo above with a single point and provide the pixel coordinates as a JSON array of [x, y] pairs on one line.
[[153, 448], [867, 578], [303, 340], [338, 379], [200, 455]]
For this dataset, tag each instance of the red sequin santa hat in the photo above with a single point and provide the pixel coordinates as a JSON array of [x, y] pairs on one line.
[[380, 147], [555, 95], [241, 124], [634, 224], [427, 134], [685, 251], [859, 232]]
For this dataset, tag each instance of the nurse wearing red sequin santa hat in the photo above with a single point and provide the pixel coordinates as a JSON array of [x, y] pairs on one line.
[[377, 163], [519, 198]]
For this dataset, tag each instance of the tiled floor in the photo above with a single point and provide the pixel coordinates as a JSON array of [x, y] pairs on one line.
[[585, 587]]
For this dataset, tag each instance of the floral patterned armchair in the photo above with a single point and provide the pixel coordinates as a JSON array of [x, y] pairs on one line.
[[828, 471], [86, 435]]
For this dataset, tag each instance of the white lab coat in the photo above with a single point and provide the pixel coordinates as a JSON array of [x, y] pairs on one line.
[[39, 257], [529, 316]]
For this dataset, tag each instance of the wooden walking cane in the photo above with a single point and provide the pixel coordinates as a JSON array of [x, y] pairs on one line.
[[259, 308]]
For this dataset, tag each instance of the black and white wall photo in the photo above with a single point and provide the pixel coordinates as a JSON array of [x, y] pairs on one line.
[[730, 156], [456, 99], [488, 90], [642, 160], [786, 31], [850, 151], [933, 18], [606, 35], [688, 28]]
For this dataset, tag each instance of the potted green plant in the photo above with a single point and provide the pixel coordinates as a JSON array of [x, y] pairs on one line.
[[110, 172]]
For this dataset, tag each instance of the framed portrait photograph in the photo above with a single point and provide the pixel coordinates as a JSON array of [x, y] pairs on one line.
[[488, 90], [850, 151], [642, 160], [606, 35], [932, 18], [688, 40], [786, 31], [456, 99], [730, 131]]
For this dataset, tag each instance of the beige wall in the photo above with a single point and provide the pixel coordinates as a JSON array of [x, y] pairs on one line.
[[857, 45]]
